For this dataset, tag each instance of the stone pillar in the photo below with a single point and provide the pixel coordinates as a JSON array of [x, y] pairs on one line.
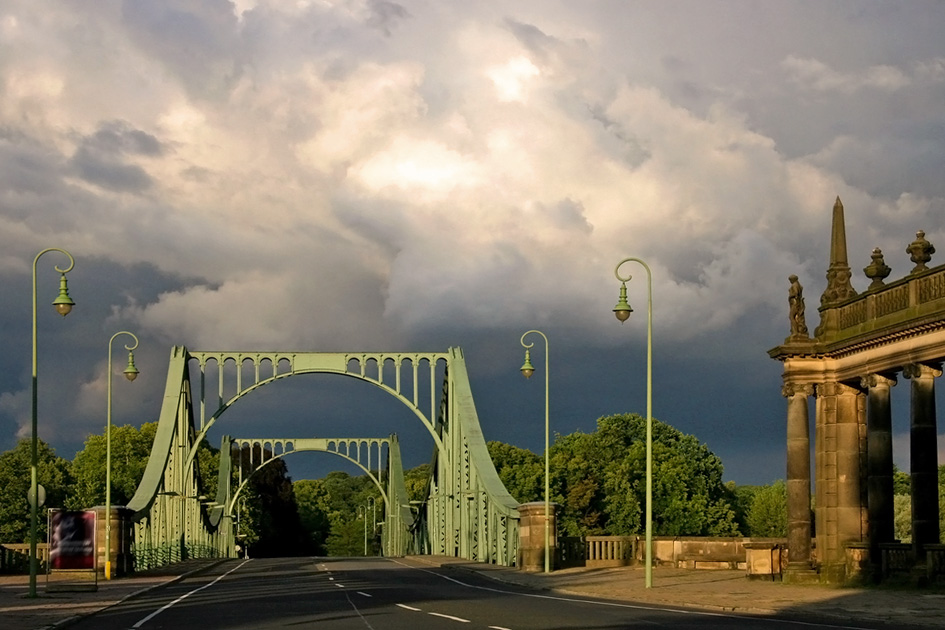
[[531, 530], [923, 456], [880, 463], [122, 535], [841, 508], [798, 476]]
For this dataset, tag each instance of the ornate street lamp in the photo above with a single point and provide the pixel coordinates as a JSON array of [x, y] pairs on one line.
[[131, 373], [63, 304], [622, 310], [527, 370]]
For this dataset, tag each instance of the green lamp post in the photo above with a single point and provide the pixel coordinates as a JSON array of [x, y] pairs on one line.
[[131, 373], [622, 310], [63, 304], [527, 370]]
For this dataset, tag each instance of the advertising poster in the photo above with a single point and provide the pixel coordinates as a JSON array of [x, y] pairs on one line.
[[71, 540]]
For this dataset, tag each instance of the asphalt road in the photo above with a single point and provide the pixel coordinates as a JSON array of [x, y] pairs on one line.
[[389, 594]]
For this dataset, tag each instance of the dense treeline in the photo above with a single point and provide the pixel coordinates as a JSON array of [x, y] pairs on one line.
[[597, 479]]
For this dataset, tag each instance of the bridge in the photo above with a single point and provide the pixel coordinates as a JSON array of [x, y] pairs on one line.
[[466, 513]]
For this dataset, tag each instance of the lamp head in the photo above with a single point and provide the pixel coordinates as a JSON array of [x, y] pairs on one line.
[[527, 368], [63, 302], [622, 310], [131, 372]]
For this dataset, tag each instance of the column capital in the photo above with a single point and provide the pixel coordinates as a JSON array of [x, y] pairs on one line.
[[922, 370], [797, 389], [877, 380], [833, 388]]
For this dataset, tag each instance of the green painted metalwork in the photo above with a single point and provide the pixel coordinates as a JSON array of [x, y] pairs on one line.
[[397, 518], [467, 513]]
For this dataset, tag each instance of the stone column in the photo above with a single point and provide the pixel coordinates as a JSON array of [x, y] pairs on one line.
[[923, 456], [840, 450], [851, 459], [879, 463], [798, 476]]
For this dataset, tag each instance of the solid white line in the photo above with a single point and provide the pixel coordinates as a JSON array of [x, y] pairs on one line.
[[460, 619], [408, 607], [363, 593], [185, 596]]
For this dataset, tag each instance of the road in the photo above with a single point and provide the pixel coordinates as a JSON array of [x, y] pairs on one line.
[[388, 594]]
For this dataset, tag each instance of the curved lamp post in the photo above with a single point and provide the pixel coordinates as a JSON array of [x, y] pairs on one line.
[[63, 304], [131, 373], [527, 370], [622, 311]]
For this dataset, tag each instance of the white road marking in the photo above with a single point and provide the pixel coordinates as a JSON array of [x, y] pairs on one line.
[[408, 607], [363, 593], [185, 596], [497, 628], [339, 585], [460, 619]]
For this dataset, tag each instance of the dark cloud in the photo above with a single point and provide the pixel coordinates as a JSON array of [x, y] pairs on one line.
[[385, 15], [99, 158]]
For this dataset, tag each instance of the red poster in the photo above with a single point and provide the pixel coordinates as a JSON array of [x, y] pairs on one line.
[[71, 540]]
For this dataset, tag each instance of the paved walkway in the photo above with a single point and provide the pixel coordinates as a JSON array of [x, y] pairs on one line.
[[718, 590], [731, 591]]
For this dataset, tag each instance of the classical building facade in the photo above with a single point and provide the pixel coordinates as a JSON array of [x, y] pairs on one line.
[[865, 344]]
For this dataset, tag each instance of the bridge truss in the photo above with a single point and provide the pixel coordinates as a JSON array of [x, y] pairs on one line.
[[466, 513]]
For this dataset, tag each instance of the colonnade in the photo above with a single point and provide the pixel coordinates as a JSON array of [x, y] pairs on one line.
[[853, 466], [865, 343]]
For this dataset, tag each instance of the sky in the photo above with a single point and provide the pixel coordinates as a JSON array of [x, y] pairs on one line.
[[415, 175]]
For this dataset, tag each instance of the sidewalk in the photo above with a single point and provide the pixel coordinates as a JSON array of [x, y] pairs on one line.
[[58, 609], [730, 591]]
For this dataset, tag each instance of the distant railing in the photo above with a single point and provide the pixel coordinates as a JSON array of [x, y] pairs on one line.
[[15, 557], [610, 551]]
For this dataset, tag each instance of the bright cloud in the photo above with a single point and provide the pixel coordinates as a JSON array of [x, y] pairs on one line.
[[282, 174]]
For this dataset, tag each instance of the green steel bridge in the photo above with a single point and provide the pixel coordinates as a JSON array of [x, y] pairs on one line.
[[466, 513]]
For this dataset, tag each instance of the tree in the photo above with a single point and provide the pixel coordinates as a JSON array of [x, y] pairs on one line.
[[600, 481], [131, 448], [53, 473], [767, 517], [313, 501], [273, 514], [416, 480], [521, 471]]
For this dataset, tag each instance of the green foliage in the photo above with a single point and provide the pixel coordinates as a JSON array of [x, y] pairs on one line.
[[767, 517], [902, 517], [272, 515], [902, 482], [313, 501], [346, 539], [599, 479], [521, 471], [416, 480], [52, 472], [131, 448]]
